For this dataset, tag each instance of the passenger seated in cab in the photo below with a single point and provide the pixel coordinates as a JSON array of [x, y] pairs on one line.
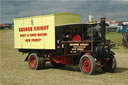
[[76, 37]]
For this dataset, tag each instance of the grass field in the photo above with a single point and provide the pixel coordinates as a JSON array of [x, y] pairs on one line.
[[14, 71], [117, 38]]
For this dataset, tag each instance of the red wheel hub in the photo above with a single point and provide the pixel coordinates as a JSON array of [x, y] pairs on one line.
[[86, 65], [32, 61]]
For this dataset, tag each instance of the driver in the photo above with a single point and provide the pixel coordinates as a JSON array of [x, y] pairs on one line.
[[66, 35]]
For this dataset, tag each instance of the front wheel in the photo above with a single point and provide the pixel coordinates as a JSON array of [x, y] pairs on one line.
[[35, 62], [87, 64], [110, 65]]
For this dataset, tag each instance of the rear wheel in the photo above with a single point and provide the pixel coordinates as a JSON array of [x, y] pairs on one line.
[[87, 64], [110, 65], [35, 62]]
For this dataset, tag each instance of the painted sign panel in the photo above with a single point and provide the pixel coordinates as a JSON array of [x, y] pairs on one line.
[[38, 32]]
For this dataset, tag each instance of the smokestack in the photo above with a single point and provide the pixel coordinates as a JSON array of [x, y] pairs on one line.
[[103, 29]]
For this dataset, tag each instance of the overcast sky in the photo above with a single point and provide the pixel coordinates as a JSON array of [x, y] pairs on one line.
[[115, 9]]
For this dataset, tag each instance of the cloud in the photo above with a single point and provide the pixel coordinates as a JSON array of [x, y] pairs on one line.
[[10, 9], [21, 8], [120, 0]]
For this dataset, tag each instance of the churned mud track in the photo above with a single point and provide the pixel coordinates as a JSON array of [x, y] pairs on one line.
[[14, 71]]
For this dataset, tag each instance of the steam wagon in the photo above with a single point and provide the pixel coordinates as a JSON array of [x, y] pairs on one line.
[[61, 39]]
